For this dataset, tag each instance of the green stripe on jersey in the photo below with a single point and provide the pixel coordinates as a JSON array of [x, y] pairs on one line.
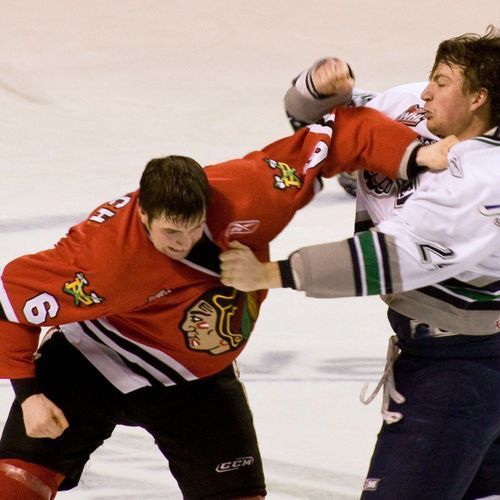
[[372, 274], [475, 295]]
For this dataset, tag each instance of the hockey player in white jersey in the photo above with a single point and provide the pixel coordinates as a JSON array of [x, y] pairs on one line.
[[433, 254]]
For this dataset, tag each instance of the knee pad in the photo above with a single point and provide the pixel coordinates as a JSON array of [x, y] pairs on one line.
[[20, 479]]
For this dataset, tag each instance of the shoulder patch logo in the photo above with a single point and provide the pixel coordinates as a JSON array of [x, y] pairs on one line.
[[288, 176], [76, 288], [412, 116]]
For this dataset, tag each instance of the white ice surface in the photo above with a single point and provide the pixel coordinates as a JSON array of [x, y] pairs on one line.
[[90, 91]]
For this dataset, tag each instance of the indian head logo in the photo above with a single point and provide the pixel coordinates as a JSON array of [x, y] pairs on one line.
[[219, 321], [81, 297]]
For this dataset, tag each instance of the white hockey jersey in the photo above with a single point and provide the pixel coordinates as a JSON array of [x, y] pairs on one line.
[[376, 194], [434, 253]]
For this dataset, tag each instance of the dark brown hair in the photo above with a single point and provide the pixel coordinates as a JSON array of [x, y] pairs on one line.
[[479, 58], [176, 187]]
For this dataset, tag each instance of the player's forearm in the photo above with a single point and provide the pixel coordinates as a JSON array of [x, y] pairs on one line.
[[364, 138], [325, 270], [270, 277], [17, 345]]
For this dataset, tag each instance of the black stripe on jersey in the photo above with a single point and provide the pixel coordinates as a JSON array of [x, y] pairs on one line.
[[385, 262], [459, 303], [355, 267], [141, 353], [133, 366], [363, 225], [142, 372], [493, 287], [2, 313]]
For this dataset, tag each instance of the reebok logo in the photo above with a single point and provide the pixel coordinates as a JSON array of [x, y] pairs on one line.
[[235, 464], [242, 227]]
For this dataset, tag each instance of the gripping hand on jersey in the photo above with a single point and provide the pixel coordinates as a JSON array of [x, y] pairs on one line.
[[42, 418], [435, 156], [241, 269]]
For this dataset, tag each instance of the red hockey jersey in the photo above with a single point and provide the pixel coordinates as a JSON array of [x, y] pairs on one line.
[[142, 318]]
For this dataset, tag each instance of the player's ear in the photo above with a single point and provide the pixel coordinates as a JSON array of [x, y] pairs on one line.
[[480, 98], [143, 215]]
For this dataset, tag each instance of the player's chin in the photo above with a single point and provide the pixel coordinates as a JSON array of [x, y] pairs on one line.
[[433, 127], [176, 254]]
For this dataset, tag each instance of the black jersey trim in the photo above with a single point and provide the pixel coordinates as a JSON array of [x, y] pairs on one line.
[[493, 287], [355, 266], [449, 298], [364, 225], [385, 262], [205, 254]]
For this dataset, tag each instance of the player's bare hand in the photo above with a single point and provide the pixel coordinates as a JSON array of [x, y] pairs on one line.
[[241, 269], [42, 418], [332, 77], [435, 156]]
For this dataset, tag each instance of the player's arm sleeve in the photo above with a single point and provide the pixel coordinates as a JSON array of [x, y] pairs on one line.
[[305, 105], [365, 139], [438, 234], [17, 345], [75, 281], [45, 289]]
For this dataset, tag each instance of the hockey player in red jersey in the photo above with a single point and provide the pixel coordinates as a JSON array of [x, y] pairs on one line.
[[143, 331]]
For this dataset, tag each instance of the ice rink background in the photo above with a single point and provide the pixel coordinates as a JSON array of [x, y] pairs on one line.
[[90, 91]]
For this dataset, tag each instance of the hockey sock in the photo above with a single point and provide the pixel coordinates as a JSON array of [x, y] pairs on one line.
[[20, 479]]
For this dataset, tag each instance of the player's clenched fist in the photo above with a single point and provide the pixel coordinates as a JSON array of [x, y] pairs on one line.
[[243, 271], [42, 418], [332, 76]]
